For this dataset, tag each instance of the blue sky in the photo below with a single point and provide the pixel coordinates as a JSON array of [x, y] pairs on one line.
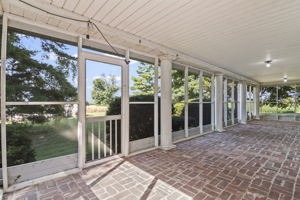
[[93, 69]]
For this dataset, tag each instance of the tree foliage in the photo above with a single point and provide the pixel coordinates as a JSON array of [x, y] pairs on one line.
[[19, 149], [143, 84], [104, 89], [286, 95], [193, 86], [32, 77], [43, 74]]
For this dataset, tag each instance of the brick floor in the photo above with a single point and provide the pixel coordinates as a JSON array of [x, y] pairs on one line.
[[259, 160]]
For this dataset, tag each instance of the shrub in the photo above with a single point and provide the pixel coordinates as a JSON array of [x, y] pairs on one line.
[[141, 123], [19, 145], [177, 123], [178, 109]]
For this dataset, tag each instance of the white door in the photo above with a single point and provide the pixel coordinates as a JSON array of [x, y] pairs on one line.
[[106, 101]]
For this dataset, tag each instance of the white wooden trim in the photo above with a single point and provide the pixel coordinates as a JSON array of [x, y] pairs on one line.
[[9, 103], [82, 109], [3, 99], [103, 118], [125, 108], [277, 100], [105, 141], [110, 137], [212, 96], [116, 137], [200, 103], [141, 102], [186, 104], [101, 161], [156, 102], [99, 140], [232, 103], [102, 58], [93, 142], [225, 101]]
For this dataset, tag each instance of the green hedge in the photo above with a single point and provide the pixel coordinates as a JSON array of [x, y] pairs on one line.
[[19, 145]]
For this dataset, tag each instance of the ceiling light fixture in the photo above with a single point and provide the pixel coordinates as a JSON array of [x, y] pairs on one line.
[[285, 78], [268, 63]]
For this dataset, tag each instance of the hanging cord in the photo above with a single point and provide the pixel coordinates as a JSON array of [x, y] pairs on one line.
[[79, 20]]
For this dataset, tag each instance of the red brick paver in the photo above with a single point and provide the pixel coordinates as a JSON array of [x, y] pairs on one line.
[[258, 161]]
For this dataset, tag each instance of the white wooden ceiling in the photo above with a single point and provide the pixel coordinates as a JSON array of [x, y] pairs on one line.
[[235, 35]]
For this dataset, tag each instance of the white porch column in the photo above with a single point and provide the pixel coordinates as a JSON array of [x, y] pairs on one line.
[[166, 103], [243, 113], [239, 102], [219, 102], [256, 91], [81, 108], [225, 102]]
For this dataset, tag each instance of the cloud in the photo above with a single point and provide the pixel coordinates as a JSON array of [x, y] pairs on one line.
[[52, 56], [118, 78], [96, 77]]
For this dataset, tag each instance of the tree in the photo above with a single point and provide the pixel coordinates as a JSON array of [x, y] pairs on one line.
[[104, 89], [193, 86], [286, 95], [177, 85], [143, 84], [31, 77]]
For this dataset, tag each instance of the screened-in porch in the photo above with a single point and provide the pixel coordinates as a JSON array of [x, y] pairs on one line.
[[136, 100]]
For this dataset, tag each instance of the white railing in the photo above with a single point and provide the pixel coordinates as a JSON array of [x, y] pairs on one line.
[[102, 136]]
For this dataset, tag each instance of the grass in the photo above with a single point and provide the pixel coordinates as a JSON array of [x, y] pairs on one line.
[[274, 110], [56, 137], [95, 114]]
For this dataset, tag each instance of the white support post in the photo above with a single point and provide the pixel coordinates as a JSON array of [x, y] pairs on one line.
[[81, 108], [166, 103], [212, 108], [156, 102], [243, 97], [125, 108], [277, 87], [232, 103], [186, 104], [239, 102], [256, 91], [250, 102], [3, 99], [201, 101], [225, 102], [219, 102]]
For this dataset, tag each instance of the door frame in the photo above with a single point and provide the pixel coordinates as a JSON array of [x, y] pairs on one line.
[[83, 56]]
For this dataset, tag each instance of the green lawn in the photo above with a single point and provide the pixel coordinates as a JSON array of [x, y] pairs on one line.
[[56, 137], [272, 109]]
